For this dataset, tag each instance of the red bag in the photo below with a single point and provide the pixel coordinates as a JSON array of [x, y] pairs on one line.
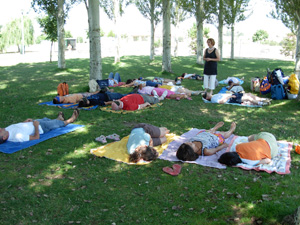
[[63, 89]]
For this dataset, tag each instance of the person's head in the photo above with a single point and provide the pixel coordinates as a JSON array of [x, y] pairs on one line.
[[116, 105], [129, 81], [57, 100], [207, 96], [230, 158], [144, 152], [186, 152], [182, 75], [210, 42], [3, 135], [230, 82], [83, 103]]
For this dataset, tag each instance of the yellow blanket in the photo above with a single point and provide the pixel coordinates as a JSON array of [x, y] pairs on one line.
[[118, 151], [108, 109]]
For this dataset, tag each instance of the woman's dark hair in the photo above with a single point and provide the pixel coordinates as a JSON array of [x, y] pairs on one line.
[[2, 140], [186, 153], [129, 81], [55, 101], [182, 75], [204, 95], [147, 154], [230, 158]]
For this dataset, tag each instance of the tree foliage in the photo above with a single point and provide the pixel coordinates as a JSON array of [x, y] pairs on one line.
[[49, 27], [289, 45], [108, 7], [260, 35], [11, 34], [144, 6], [192, 33]]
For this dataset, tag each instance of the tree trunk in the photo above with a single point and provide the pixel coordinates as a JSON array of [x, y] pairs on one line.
[[95, 44], [117, 29], [232, 42], [61, 35], [166, 59], [220, 29], [152, 53], [199, 20], [176, 33], [51, 47], [297, 63]]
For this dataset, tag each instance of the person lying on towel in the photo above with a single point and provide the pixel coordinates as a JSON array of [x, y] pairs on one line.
[[75, 98], [142, 139], [161, 93], [133, 102], [260, 149], [238, 98], [205, 143], [31, 129]]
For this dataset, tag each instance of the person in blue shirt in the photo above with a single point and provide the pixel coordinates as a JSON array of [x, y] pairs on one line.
[[142, 139]]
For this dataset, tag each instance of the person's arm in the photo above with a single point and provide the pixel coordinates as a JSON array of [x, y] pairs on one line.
[[36, 131], [265, 161], [28, 120], [108, 103], [142, 106], [211, 151], [233, 84], [214, 59], [151, 142], [204, 55], [225, 99], [140, 86]]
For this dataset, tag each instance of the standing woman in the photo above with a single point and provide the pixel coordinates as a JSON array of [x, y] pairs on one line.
[[211, 57]]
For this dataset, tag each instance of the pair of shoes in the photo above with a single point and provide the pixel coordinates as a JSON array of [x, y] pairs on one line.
[[162, 97], [155, 95], [113, 137], [174, 171], [101, 139]]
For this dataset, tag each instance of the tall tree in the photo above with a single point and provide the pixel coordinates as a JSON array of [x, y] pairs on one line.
[[166, 58], [150, 9], [234, 12], [178, 15], [61, 34], [220, 27], [11, 34], [49, 26], [289, 13], [93, 9], [114, 10], [202, 10], [58, 9]]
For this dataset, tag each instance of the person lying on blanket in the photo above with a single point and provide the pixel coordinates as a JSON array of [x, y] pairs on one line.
[[137, 82], [205, 143], [31, 129], [142, 139], [101, 99], [260, 149], [133, 102], [238, 98], [72, 98], [161, 93], [180, 90]]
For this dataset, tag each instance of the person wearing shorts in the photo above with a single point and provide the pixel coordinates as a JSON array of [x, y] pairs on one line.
[[142, 139], [205, 143]]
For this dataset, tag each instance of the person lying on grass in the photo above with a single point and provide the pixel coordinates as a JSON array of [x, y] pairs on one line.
[[161, 93], [133, 102], [142, 139], [260, 149], [72, 98], [238, 98], [205, 143], [180, 90], [31, 129]]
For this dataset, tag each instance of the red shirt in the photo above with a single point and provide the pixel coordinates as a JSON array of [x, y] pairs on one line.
[[132, 101]]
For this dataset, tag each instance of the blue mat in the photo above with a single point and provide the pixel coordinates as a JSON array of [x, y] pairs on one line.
[[68, 105], [11, 147]]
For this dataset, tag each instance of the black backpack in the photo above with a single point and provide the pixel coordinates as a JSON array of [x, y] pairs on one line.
[[272, 76]]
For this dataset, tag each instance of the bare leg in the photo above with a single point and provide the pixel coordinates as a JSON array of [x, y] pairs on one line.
[[180, 96], [73, 117], [216, 127], [163, 131], [230, 131]]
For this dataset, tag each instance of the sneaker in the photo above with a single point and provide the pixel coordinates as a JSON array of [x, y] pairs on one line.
[[155, 94], [162, 97]]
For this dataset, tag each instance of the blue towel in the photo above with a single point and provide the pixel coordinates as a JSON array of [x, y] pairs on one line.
[[68, 105], [11, 147]]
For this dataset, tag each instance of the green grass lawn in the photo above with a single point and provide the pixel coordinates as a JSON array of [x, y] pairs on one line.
[[59, 182]]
